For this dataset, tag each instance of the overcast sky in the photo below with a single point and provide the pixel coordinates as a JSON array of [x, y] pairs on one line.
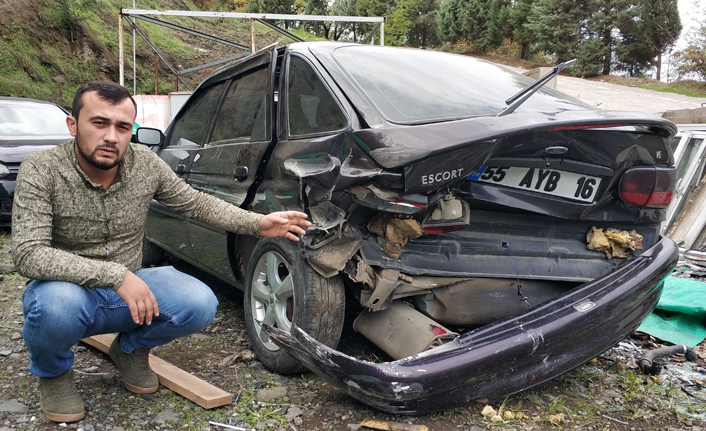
[[689, 12]]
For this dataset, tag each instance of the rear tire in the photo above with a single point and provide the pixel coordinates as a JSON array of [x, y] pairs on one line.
[[281, 289]]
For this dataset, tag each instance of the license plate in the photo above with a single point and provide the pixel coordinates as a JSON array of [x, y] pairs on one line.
[[548, 181]]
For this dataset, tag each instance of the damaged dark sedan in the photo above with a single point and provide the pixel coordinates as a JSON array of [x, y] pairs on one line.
[[493, 233]]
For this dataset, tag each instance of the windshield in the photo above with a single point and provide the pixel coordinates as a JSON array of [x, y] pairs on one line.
[[420, 86], [32, 119]]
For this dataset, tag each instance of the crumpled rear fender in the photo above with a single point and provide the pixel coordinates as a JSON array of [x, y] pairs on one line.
[[505, 357]]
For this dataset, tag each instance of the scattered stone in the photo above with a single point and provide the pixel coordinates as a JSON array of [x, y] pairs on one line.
[[108, 377], [293, 412], [228, 361], [558, 419], [166, 416], [255, 365], [353, 427], [5, 352], [201, 337], [92, 369], [507, 414], [16, 336], [488, 412], [247, 356], [272, 394], [13, 407], [88, 427]]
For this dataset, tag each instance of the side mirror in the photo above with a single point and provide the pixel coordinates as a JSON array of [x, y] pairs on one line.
[[149, 136]]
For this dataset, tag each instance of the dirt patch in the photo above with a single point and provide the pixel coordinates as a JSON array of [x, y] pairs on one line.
[[609, 393]]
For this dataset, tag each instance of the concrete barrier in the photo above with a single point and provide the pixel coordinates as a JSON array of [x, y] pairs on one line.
[[686, 116], [538, 72]]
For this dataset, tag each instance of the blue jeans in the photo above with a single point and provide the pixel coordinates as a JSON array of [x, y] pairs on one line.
[[59, 314]]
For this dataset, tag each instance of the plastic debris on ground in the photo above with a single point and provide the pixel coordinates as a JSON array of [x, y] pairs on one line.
[[680, 314]]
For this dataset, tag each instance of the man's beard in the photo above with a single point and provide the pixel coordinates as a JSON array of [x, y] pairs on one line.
[[91, 159]]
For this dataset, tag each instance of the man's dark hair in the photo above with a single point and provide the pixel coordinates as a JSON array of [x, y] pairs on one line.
[[107, 90]]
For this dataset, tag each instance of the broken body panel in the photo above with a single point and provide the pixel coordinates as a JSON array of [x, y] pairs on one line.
[[501, 358]]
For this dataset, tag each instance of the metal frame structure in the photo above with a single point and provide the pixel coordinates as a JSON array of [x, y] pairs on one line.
[[131, 16]]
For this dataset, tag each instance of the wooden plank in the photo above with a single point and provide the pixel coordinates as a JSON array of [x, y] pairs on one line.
[[185, 384]]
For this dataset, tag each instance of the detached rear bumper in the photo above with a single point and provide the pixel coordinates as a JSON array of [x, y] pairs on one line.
[[504, 357]]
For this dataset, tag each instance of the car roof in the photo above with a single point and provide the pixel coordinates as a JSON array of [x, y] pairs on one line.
[[7, 100]]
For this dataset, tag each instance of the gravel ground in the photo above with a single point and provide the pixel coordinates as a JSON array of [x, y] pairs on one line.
[[609, 393]]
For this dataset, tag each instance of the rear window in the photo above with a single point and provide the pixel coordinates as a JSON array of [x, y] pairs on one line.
[[30, 119], [420, 86]]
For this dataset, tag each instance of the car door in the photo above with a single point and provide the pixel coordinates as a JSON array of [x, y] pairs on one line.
[[312, 126], [227, 165], [185, 136]]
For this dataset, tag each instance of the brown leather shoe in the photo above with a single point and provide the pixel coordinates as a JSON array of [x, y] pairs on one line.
[[137, 374], [59, 397]]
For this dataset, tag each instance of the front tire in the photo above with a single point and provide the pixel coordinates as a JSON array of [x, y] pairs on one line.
[[281, 289]]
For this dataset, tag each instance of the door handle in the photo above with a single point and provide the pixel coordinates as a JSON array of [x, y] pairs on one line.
[[180, 169], [240, 173]]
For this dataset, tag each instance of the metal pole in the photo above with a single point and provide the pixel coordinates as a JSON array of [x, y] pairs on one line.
[[252, 33], [156, 76], [121, 62], [382, 33], [134, 58]]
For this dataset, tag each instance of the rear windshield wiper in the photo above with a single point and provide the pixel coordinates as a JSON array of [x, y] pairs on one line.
[[518, 99]]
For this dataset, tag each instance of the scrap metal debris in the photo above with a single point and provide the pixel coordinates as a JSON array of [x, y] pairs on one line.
[[613, 242], [394, 232]]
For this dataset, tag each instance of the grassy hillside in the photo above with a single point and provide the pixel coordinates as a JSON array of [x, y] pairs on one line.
[[43, 59]]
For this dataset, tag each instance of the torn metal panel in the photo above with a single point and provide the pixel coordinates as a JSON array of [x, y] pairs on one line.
[[504, 357], [332, 257], [401, 331], [318, 174], [330, 242]]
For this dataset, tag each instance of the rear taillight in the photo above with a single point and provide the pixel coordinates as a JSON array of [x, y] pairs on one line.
[[648, 186]]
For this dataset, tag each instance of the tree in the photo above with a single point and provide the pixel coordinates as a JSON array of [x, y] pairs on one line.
[[660, 26], [412, 23], [68, 14], [692, 60], [558, 26], [319, 28], [517, 18], [632, 55], [481, 21], [270, 6], [373, 8], [345, 8]]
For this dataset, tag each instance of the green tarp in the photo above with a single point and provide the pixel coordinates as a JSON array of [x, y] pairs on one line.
[[680, 315]]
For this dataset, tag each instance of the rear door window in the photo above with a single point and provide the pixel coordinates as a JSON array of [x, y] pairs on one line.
[[244, 115], [311, 108], [191, 128]]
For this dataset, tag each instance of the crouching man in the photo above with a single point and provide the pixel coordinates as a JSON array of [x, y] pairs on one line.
[[77, 226]]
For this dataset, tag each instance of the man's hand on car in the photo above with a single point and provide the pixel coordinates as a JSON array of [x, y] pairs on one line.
[[139, 299], [284, 223]]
